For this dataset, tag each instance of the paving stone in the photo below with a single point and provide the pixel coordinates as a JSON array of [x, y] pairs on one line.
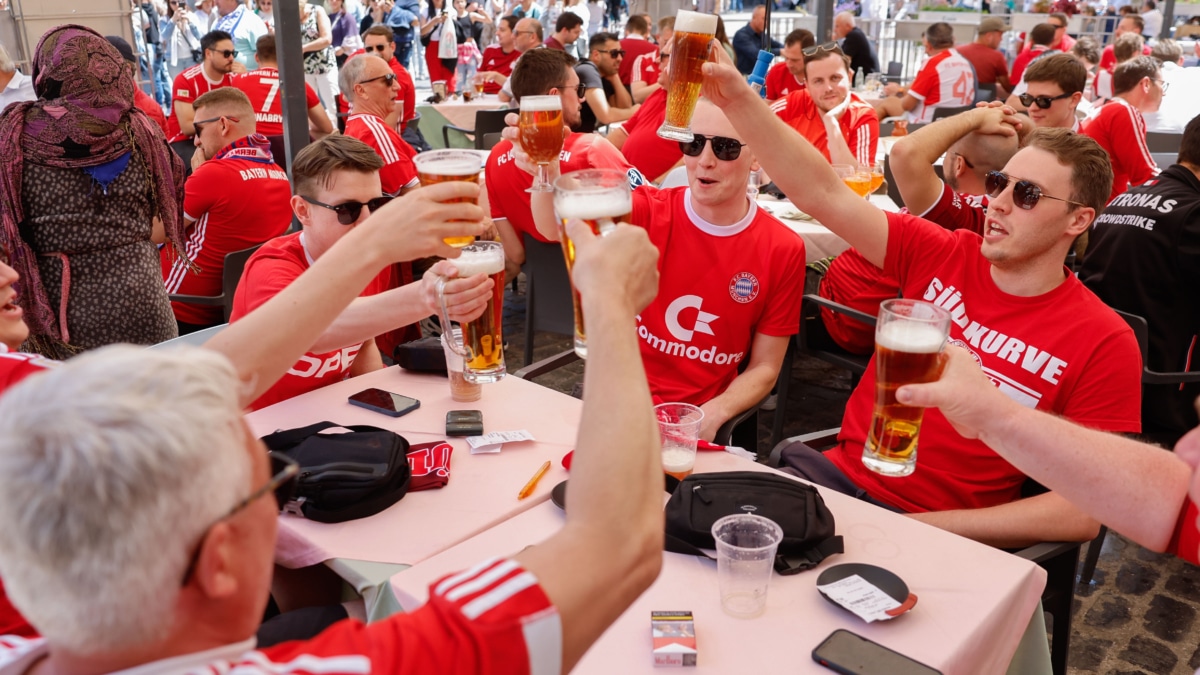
[[1087, 653], [1150, 654], [1169, 619], [1136, 578], [1108, 613], [1185, 583], [1194, 662], [1150, 556]]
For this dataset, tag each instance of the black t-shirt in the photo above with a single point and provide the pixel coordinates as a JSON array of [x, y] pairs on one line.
[[1143, 257], [589, 77], [861, 53]]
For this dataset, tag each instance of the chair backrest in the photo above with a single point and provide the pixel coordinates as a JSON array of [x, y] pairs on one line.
[[191, 339], [489, 140], [235, 263], [949, 111], [1163, 142], [893, 192], [279, 151], [1164, 159], [1141, 331], [675, 178], [985, 92], [894, 71], [488, 122], [548, 292]]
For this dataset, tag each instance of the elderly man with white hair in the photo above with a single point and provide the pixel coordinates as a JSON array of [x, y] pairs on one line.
[[15, 86]]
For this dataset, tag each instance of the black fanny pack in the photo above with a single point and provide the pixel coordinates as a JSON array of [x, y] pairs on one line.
[[704, 498], [344, 476]]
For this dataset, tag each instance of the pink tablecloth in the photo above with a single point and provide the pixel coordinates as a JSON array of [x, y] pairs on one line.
[[974, 603], [482, 490]]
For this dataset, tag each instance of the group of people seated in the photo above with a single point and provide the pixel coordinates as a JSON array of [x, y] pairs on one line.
[[696, 300]]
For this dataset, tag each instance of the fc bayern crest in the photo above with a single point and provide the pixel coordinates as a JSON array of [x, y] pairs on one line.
[[743, 288]]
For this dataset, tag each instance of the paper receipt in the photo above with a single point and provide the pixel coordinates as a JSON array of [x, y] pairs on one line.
[[861, 597], [492, 442]]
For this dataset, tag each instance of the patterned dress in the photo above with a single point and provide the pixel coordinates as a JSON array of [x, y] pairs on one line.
[[321, 61]]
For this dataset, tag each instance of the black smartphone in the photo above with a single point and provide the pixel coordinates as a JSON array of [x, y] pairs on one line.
[[845, 652], [392, 405], [464, 423]]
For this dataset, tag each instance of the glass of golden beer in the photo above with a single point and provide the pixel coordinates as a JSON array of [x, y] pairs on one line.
[[482, 346], [440, 166], [599, 197], [909, 338], [679, 429], [693, 33], [541, 126]]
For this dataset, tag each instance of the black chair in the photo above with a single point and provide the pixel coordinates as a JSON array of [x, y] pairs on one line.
[[1164, 159], [949, 111], [893, 190], [548, 305], [486, 122], [235, 262], [278, 151], [894, 71], [1163, 142], [984, 92], [185, 149]]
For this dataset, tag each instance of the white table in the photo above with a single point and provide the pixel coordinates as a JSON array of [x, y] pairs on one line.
[[819, 241], [974, 602], [482, 491]]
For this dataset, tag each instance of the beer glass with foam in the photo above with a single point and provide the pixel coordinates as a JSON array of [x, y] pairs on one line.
[[482, 346], [599, 197], [679, 430], [693, 33], [541, 128], [440, 166], [909, 337]]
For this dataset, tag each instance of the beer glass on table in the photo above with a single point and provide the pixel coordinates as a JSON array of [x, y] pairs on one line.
[[440, 166], [693, 33], [909, 337], [541, 128], [479, 81], [482, 346], [679, 430], [599, 197]]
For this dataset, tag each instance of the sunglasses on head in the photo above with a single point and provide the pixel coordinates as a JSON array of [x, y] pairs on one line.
[[1025, 193], [614, 53], [813, 51], [387, 79], [348, 212], [725, 149], [198, 126], [376, 48], [1041, 101], [227, 53]]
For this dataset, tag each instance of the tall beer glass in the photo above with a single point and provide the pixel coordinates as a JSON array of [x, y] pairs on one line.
[[693, 33], [440, 166], [482, 346], [599, 197], [909, 338], [541, 127]]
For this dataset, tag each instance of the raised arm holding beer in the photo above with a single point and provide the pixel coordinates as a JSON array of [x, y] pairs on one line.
[[1043, 339]]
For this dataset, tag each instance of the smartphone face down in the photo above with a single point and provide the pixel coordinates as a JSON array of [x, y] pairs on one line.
[[845, 652], [385, 402]]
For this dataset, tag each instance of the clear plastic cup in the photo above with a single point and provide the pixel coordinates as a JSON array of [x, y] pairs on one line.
[[746, 546], [679, 429]]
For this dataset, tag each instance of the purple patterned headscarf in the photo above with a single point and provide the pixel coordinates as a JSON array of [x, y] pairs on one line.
[[84, 117]]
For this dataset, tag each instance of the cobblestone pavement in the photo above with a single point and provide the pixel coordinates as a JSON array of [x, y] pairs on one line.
[[1138, 615]]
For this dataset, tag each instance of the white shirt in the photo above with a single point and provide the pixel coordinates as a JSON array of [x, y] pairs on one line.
[[20, 88], [1153, 23], [1180, 103]]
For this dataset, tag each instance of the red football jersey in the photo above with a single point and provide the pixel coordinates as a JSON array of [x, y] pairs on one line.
[[407, 93], [1063, 352], [506, 182], [496, 60], [16, 366], [1121, 131], [268, 272], [398, 171], [645, 68], [146, 103], [718, 287], [634, 46], [860, 125], [1186, 541], [947, 79], [644, 148], [235, 203], [262, 88], [780, 82], [189, 86]]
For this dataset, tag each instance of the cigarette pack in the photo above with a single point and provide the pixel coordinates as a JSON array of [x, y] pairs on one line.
[[674, 636]]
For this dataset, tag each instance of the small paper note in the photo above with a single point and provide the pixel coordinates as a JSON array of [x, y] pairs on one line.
[[492, 442], [861, 597]]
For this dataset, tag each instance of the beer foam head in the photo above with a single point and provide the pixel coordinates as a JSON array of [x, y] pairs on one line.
[[447, 164], [476, 259], [695, 22], [537, 103], [910, 336], [594, 207]]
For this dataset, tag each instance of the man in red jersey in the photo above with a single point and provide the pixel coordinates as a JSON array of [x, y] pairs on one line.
[[787, 76], [236, 197], [635, 43], [380, 40], [371, 86], [991, 67], [498, 58], [1039, 40], [732, 279], [567, 28], [338, 186], [638, 139], [834, 119], [946, 80], [261, 86], [1119, 127], [1130, 23], [219, 61], [543, 72], [1043, 339], [200, 489]]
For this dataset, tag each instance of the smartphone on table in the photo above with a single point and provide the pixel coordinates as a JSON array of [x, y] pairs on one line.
[[846, 652], [385, 402]]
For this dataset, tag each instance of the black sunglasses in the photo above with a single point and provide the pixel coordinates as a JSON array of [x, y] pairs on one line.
[[1041, 101], [376, 48], [813, 51], [1025, 193], [285, 473], [347, 212], [580, 89], [227, 53], [387, 79], [726, 149], [197, 126], [614, 53]]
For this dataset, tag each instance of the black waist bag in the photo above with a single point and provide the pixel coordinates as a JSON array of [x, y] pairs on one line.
[[346, 475], [704, 498]]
